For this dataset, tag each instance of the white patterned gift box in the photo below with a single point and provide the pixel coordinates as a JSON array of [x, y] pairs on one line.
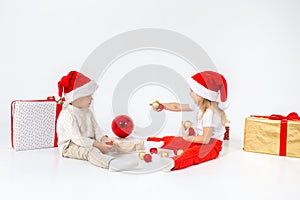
[[33, 123]]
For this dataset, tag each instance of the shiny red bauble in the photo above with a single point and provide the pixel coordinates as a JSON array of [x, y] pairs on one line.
[[147, 158], [191, 132], [122, 126], [109, 143], [153, 150]]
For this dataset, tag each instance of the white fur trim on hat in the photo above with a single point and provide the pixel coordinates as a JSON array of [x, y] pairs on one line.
[[87, 89], [202, 91]]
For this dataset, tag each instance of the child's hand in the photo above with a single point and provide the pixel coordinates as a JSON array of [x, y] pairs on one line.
[[157, 106], [103, 147], [106, 147], [107, 140], [184, 131]]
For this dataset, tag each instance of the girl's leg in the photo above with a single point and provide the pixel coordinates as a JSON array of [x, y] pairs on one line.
[[198, 154], [172, 142]]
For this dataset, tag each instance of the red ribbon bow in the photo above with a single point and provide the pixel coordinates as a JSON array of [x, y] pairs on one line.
[[283, 128], [291, 116]]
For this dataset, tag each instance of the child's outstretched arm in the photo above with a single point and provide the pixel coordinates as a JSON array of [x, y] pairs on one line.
[[175, 107]]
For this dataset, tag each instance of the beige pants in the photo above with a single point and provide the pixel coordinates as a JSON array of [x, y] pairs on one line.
[[127, 146], [95, 156]]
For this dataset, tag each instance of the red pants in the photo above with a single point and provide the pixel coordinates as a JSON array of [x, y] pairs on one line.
[[194, 153]]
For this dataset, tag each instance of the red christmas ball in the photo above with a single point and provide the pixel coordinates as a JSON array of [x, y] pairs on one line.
[[109, 143], [122, 126], [153, 150], [191, 132], [147, 158]]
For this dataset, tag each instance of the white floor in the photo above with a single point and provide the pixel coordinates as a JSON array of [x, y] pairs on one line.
[[42, 174]]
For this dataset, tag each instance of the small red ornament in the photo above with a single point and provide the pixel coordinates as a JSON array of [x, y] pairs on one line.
[[188, 125], [122, 126], [109, 143], [161, 107], [147, 158], [226, 134], [153, 150], [157, 106], [191, 132]]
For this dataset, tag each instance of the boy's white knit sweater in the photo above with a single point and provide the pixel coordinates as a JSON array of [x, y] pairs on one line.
[[78, 125]]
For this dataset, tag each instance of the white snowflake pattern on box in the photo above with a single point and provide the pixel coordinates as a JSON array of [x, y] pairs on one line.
[[33, 125]]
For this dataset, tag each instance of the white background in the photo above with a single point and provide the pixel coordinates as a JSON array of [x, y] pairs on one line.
[[255, 44]]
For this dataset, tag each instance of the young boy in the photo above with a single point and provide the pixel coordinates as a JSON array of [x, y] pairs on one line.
[[79, 135]]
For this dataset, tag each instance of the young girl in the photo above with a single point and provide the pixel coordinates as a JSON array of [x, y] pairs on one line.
[[208, 90], [79, 135]]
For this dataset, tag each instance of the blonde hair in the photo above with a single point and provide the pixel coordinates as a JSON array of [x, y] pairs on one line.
[[214, 106]]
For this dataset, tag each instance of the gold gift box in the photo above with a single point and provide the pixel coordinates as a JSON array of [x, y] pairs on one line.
[[262, 135]]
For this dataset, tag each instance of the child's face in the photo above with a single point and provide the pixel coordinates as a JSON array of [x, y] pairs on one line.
[[197, 99], [83, 102]]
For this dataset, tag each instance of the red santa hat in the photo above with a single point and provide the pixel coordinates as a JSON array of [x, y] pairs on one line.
[[76, 85], [210, 85]]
